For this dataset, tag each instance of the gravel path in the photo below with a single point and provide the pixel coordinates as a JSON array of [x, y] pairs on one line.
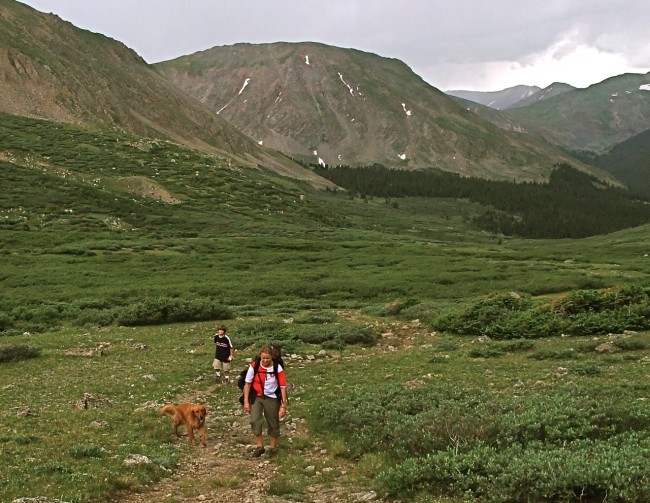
[[225, 471]]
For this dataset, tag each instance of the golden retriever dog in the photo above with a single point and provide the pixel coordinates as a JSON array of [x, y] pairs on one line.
[[191, 415]]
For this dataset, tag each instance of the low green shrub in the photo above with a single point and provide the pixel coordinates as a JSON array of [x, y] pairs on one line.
[[14, 352], [361, 335], [583, 312], [445, 345], [500, 348], [555, 354], [594, 301], [578, 471], [632, 344], [587, 368], [317, 334], [517, 345], [86, 451], [96, 317], [335, 335], [487, 351], [494, 446], [487, 312], [160, 310], [318, 318], [333, 345], [397, 306], [6, 322]]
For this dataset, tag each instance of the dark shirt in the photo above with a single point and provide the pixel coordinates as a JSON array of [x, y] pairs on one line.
[[223, 345]]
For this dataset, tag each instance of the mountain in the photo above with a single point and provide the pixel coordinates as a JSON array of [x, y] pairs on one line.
[[497, 117], [53, 70], [593, 119], [629, 161], [497, 99], [334, 106], [543, 94]]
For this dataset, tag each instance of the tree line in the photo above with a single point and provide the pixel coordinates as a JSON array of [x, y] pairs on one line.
[[572, 204]]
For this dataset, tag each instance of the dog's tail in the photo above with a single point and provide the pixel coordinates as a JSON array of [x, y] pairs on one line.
[[170, 410]]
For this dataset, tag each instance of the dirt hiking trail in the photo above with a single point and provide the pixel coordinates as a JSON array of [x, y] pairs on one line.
[[226, 472]]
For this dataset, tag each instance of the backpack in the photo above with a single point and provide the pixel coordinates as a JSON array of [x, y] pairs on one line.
[[241, 380]]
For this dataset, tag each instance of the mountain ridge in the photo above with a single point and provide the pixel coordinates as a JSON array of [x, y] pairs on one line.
[[54, 70], [327, 105], [594, 118], [260, 104], [498, 100]]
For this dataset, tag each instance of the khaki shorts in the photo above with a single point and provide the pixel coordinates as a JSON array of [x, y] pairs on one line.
[[219, 365]]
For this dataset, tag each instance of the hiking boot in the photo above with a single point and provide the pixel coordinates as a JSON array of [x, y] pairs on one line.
[[258, 452], [217, 378], [273, 451], [227, 379]]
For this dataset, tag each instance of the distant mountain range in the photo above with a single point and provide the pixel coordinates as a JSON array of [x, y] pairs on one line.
[[271, 105], [497, 99], [512, 97], [543, 94], [592, 119], [606, 124]]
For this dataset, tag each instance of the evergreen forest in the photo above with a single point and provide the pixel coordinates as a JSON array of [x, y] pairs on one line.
[[572, 204]]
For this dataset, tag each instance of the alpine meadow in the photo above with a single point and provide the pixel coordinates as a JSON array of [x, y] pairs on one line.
[[447, 338]]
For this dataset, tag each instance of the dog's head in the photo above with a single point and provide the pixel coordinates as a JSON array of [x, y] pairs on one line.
[[199, 412]]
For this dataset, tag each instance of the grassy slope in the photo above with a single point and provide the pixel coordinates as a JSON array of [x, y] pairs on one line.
[[71, 232], [247, 236]]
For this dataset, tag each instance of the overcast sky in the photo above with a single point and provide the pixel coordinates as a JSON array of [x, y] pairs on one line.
[[482, 45]]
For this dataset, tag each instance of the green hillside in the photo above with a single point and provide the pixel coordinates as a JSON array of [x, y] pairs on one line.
[[592, 119], [518, 361], [164, 221], [629, 161]]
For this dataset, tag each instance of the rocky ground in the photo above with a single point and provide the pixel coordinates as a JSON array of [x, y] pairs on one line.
[[225, 471]]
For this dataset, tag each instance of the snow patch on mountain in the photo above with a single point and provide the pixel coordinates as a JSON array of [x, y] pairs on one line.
[[244, 86], [347, 85]]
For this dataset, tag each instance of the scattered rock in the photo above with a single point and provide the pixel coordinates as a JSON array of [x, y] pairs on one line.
[[38, 499], [92, 402], [26, 412], [414, 383], [134, 345], [369, 496], [136, 459], [149, 405], [99, 350], [606, 347]]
